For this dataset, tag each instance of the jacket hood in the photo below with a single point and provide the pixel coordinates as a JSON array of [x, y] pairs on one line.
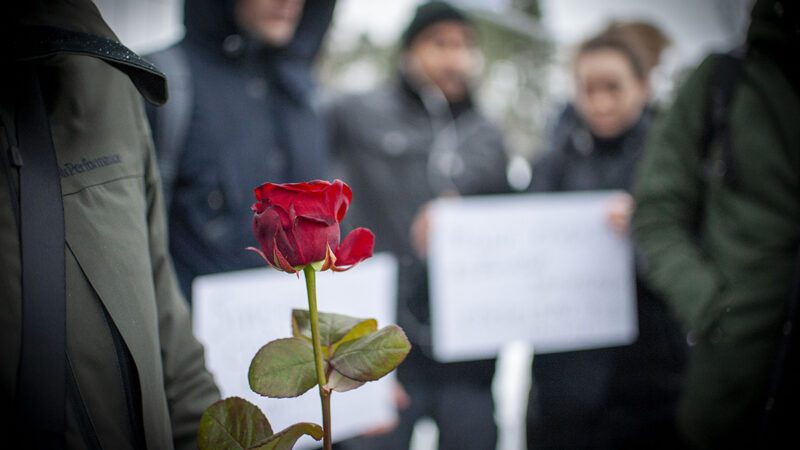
[[211, 22], [42, 28]]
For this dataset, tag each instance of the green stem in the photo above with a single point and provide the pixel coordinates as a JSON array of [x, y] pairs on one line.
[[324, 393]]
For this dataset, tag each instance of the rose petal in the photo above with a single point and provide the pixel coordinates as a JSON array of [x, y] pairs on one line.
[[311, 238], [265, 227], [320, 199], [356, 247], [269, 190], [281, 262], [253, 249], [308, 186], [258, 207], [338, 198], [312, 204], [270, 229]]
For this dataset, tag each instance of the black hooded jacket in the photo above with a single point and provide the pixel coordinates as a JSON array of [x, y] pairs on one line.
[[245, 116], [621, 397]]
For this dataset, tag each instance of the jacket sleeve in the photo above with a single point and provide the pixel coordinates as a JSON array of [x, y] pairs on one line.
[[669, 196], [189, 387]]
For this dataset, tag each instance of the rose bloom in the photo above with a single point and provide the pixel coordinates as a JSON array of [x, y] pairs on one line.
[[297, 225]]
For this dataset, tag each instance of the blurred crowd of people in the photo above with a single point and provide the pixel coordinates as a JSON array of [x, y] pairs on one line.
[[711, 200]]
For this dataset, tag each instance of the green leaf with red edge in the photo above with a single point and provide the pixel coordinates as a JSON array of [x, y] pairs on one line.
[[232, 423], [286, 439], [334, 329], [283, 368], [371, 357]]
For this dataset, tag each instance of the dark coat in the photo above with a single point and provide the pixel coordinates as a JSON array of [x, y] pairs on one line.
[[122, 298], [577, 161], [391, 145], [731, 293], [622, 397], [251, 120]]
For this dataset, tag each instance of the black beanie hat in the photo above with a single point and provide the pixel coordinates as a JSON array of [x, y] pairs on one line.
[[428, 14]]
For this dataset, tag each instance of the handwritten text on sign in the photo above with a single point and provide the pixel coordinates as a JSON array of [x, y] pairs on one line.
[[544, 268]]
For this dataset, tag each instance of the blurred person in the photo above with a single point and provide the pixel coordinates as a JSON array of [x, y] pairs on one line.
[[649, 40], [241, 112], [95, 338], [416, 138], [622, 397], [718, 221]]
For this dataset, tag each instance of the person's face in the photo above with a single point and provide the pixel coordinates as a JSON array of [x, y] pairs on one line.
[[444, 54], [273, 21], [609, 95]]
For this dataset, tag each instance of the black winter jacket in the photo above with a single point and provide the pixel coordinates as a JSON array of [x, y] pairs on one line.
[[622, 397], [249, 119], [400, 148]]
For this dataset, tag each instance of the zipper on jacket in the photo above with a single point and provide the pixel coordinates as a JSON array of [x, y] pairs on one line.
[[81, 413], [130, 383]]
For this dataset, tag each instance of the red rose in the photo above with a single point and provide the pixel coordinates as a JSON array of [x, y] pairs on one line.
[[297, 224]]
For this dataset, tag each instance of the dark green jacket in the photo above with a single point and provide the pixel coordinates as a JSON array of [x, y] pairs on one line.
[[730, 293], [116, 254]]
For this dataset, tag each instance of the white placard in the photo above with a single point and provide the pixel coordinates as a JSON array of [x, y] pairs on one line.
[[237, 313], [542, 268]]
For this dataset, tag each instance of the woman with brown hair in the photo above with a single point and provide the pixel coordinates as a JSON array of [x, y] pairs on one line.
[[622, 397]]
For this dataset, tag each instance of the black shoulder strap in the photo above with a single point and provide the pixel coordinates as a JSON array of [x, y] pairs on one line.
[[728, 71], [41, 380]]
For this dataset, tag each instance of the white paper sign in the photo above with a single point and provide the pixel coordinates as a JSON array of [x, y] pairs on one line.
[[543, 268], [237, 313]]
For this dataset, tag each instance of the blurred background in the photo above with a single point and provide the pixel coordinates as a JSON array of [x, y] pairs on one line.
[[526, 48], [525, 80]]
